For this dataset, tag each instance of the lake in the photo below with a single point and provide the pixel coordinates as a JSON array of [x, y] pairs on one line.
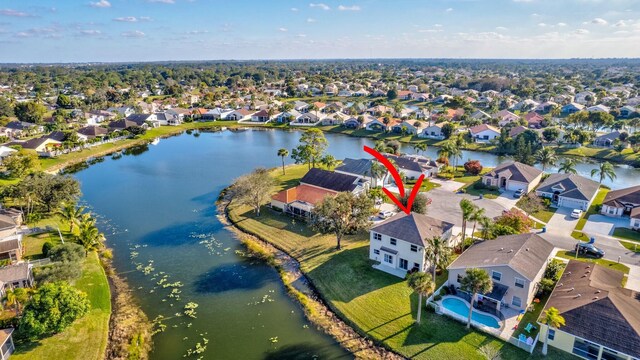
[[156, 205]]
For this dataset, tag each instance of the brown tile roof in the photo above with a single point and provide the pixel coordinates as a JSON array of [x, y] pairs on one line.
[[306, 193], [482, 127], [524, 253], [517, 130], [596, 308]]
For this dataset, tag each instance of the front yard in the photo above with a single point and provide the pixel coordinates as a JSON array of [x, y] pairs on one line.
[[626, 234], [376, 304], [597, 200], [571, 255]]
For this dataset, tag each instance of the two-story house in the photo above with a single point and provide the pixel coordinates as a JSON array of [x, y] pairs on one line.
[[398, 243], [515, 263]]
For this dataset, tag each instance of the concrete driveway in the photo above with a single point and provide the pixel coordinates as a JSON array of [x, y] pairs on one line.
[[506, 200], [446, 205], [447, 185], [603, 225]]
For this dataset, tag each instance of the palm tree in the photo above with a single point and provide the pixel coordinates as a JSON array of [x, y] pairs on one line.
[[422, 284], [605, 170], [436, 253], [91, 238], [547, 157], [16, 297], [476, 216], [553, 319], [475, 281], [71, 214], [419, 147], [283, 153], [467, 208], [377, 170], [329, 161], [568, 167], [486, 223]]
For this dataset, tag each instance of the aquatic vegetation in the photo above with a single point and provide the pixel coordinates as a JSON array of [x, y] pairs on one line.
[[190, 309]]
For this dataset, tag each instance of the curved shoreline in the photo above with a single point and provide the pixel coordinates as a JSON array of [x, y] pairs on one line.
[[299, 286]]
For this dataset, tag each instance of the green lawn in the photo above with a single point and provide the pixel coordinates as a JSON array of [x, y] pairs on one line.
[[571, 255], [376, 304], [545, 214], [87, 337], [626, 234], [598, 199], [487, 193]]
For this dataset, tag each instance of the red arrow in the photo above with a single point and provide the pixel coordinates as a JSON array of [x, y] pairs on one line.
[[398, 181]]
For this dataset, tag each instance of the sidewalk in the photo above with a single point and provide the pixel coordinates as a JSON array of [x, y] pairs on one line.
[[633, 279]]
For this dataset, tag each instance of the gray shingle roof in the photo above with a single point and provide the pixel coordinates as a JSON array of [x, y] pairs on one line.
[[413, 228], [9, 274], [519, 171], [524, 253], [575, 186], [360, 167], [617, 197], [604, 313]]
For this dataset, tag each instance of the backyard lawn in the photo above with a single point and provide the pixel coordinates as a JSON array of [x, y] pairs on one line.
[[87, 337], [626, 234], [375, 303]]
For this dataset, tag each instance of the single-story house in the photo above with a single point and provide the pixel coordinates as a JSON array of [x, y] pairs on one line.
[[516, 264], [626, 111], [484, 133], [572, 108], [433, 131], [606, 140], [480, 115], [93, 131], [602, 321], [123, 124], [6, 151], [336, 118], [598, 108], [408, 126], [376, 125], [569, 190], [261, 116], [360, 168], [309, 118], [287, 116], [354, 122], [513, 176], [623, 202], [240, 114], [399, 242], [517, 130], [299, 200], [42, 145], [534, 120], [505, 117], [412, 166]]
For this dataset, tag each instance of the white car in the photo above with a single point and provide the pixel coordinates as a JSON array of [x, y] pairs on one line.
[[385, 214], [576, 213]]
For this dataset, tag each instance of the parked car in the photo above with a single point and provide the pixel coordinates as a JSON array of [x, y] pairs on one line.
[[576, 213], [518, 193], [385, 214], [588, 249]]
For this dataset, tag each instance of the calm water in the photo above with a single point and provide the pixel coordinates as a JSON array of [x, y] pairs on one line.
[[157, 209]]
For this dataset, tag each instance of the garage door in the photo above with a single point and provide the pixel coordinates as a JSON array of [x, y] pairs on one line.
[[514, 185], [573, 204]]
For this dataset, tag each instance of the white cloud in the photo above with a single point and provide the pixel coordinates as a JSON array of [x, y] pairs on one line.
[[295, 9], [581, 31], [197, 32], [101, 4], [301, 35], [437, 25], [449, 10], [561, 24], [349, 8], [522, 1], [133, 34], [126, 19], [14, 13], [90, 32], [430, 30], [283, 29], [599, 21], [320, 6], [501, 28], [535, 15], [621, 32], [542, 24], [620, 23], [162, 1], [311, 20]]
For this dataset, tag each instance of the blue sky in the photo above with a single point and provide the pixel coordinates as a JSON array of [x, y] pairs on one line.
[[149, 30]]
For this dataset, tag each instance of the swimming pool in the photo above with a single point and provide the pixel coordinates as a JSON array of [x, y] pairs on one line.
[[461, 308]]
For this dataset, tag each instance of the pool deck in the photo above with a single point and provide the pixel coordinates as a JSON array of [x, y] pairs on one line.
[[507, 327]]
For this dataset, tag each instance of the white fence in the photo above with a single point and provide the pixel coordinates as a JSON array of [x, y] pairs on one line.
[[523, 345]]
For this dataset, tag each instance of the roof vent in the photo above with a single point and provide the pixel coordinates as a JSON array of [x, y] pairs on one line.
[[501, 249], [598, 291], [577, 296], [595, 298], [588, 272], [568, 272], [559, 284], [510, 250], [571, 289], [527, 249]]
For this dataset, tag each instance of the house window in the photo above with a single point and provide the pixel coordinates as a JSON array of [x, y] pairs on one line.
[[552, 334], [393, 241], [459, 278], [376, 251], [404, 264], [414, 248], [608, 354], [416, 266], [388, 258], [496, 275], [377, 236], [519, 283], [516, 301]]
